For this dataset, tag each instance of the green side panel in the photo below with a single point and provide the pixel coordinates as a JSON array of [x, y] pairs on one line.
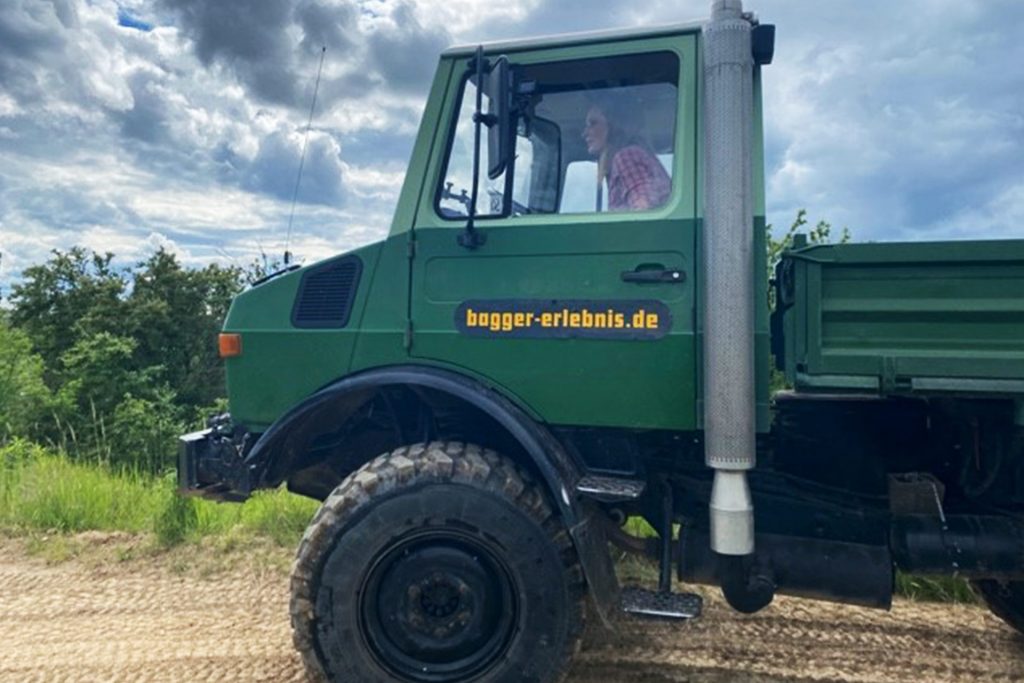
[[383, 327], [762, 336], [280, 365], [902, 315], [594, 382], [757, 153]]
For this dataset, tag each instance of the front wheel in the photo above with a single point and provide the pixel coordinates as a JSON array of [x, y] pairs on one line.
[[437, 563]]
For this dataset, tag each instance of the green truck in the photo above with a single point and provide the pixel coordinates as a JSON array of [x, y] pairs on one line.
[[569, 326]]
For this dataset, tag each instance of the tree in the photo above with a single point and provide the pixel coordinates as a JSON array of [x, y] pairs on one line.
[[819, 234], [23, 394], [129, 355], [75, 294], [97, 373], [174, 315]]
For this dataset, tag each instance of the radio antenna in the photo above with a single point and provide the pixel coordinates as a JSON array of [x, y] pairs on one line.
[[302, 158]]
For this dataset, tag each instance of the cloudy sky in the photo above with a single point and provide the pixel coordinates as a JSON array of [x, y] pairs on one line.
[[129, 125]]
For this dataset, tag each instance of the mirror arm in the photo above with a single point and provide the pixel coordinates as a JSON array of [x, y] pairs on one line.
[[470, 238], [486, 119]]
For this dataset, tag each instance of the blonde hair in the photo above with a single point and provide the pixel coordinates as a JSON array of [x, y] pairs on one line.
[[621, 130]]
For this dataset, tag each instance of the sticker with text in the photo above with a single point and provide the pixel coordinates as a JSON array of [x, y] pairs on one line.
[[564, 319]]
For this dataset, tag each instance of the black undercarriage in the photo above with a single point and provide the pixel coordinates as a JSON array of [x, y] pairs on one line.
[[845, 488]]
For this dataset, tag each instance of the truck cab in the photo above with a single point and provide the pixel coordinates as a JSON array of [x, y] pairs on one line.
[[566, 327], [584, 270]]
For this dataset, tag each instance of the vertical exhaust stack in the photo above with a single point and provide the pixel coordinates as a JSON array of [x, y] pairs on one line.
[[729, 397]]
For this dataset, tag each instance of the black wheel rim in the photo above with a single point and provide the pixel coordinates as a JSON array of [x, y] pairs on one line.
[[438, 608]]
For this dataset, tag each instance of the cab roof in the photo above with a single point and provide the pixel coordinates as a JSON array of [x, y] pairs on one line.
[[571, 39]]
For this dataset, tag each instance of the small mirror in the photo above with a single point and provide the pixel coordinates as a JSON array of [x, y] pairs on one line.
[[498, 87]]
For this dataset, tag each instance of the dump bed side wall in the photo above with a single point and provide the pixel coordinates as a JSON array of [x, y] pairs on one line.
[[924, 317]]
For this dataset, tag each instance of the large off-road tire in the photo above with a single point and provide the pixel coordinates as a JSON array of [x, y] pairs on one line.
[[437, 563], [1005, 599]]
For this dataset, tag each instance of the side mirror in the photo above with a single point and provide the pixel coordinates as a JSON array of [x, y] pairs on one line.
[[498, 86]]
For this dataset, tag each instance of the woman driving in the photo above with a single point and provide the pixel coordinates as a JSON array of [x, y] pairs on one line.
[[636, 179]]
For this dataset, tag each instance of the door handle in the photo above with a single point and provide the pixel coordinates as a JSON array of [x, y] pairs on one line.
[[665, 275]]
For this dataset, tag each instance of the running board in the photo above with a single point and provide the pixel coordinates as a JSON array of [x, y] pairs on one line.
[[610, 489], [659, 605]]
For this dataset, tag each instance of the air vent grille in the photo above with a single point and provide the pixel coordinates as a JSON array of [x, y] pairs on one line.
[[326, 293]]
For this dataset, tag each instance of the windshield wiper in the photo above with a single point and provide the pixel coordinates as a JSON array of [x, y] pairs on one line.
[[271, 276]]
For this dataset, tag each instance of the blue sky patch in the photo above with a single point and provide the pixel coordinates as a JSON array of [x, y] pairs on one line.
[[128, 20]]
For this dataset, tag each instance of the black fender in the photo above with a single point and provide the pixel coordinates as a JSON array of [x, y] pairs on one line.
[[559, 472]]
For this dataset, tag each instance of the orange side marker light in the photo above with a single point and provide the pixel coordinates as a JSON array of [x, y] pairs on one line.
[[229, 344]]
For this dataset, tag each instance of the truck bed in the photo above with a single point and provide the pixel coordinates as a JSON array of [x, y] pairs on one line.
[[932, 317]]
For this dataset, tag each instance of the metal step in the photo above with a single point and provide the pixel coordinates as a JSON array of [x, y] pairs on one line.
[[610, 489], [658, 605]]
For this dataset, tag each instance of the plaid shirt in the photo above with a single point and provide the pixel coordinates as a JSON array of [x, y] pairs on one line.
[[637, 181]]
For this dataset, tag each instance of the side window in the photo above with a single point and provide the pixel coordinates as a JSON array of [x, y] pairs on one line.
[[592, 135], [457, 188]]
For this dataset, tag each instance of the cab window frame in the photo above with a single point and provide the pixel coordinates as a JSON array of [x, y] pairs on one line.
[[453, 126], [683, 199]]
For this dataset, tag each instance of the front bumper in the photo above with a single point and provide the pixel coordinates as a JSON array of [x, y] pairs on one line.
[[210, 463]]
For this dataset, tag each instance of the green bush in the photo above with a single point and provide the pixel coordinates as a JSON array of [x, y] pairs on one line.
[[23, 394], [177, 518], [145, 432]]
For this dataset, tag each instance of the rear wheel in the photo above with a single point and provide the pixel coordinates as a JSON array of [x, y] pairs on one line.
[[1005, 599], [437, 563]]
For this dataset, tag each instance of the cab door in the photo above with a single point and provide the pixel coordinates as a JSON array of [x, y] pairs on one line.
[[582, 310]]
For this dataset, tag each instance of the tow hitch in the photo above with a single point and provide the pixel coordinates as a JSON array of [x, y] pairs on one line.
[[210, 462]]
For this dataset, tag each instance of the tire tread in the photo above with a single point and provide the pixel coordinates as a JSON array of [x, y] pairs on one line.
[[437, 461]]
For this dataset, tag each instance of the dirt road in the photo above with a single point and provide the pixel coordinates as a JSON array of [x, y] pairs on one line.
[[142, 621]]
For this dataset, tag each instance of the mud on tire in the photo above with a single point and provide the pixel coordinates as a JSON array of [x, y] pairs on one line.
[[1005, 600], [437, 563]]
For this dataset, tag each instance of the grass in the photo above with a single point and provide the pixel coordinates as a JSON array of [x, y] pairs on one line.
[[935, 589], [42, 491], [47, 495]]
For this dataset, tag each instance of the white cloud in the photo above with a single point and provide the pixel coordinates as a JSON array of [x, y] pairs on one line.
[[896, 119], [375, 183], [8, 107], [157, 241]]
